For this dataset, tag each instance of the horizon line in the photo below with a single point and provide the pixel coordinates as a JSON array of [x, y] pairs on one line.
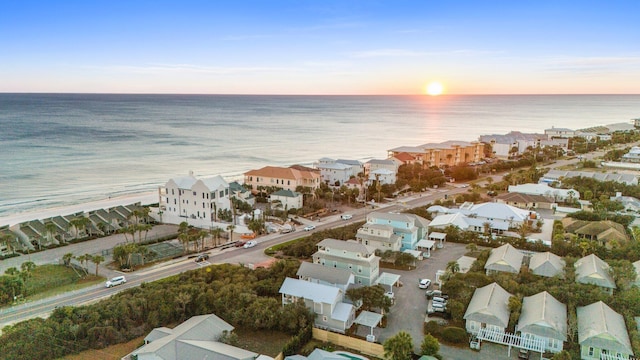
[[286, 94]]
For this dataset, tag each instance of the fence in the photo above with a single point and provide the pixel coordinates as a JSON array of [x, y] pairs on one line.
[[361, 346]]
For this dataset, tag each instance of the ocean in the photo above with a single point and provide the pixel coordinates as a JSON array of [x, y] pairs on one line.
[[62, 149]]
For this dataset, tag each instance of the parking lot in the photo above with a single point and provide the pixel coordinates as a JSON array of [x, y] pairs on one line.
[[409, 311]]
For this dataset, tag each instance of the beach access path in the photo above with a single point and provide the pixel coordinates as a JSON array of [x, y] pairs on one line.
[[92, 247]]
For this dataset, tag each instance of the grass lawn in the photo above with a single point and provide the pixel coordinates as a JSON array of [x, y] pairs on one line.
[[263, 341], [109, 353], [50, 280]]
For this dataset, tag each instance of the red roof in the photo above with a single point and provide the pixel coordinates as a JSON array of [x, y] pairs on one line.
[[404, 157]]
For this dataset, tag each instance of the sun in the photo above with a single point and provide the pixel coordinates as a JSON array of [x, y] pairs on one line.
[[434, 88]]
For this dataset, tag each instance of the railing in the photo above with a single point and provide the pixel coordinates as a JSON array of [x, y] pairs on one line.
[[499, 337]]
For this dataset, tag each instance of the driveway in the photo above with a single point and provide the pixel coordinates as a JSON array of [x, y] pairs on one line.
[[409, 311]]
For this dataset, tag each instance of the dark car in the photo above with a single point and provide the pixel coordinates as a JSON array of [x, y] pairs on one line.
[[240, 243], [202, 257]]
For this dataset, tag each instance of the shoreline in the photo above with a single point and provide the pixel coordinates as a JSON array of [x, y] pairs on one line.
[[145, 198]]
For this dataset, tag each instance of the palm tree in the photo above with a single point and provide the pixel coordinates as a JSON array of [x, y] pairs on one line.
[[78, 224], [51, 231], [97, 259], [378, 186], [215, 233], [66, 259], [184, 240], [7, 240], [399, 346], [230, 229], [453, 267]]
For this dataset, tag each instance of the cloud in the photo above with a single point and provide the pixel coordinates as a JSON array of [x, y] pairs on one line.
[[387, 53], [192, 69], [592, 63]]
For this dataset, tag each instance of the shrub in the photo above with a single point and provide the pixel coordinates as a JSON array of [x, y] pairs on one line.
[[454, 335], [432, 327]]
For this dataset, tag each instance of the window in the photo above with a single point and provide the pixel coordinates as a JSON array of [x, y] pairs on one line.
[[194, 193], [203, 205], [317, 307], [590, 351], [172, 192], [221, 193], [324, 318]]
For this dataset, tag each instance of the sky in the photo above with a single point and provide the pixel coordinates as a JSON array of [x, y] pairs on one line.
[[334, 47]]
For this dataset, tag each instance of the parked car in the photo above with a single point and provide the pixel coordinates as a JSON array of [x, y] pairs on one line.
[[250, 244], [439, 300], [424, 283], [523, 354], [431, 293], [202, 257], [346, 216], [118, 280], [309, 227], [240, 243]]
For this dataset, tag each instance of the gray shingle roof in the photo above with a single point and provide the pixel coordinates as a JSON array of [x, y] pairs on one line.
[[505, 258], [547, 264]]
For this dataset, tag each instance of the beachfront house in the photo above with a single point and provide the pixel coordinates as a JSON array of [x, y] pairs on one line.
[[547, 264], [324, 300], [593, 270], [334, 173], [286, 178], [558, 175], [498, 217], [505, 258], [525, 201], [196, 338], [555, 132], [190, 198], [349, 255], [503, 146], [385, 171], [602, 333], [543, 317], [409, 227], [488, 310], [448, 153]]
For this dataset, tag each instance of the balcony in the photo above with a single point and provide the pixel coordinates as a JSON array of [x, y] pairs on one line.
[[499, 337]]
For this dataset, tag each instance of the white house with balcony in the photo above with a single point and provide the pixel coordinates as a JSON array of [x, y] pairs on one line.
[[349, 255], [488, 309], [385, 170], [379, 237], [191, 198], [325, 275], [334, 173]]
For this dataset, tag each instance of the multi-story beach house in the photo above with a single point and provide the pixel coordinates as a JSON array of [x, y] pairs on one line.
[[496, 217], [384, 171], [633, 156], [448, 153], [602, 333], [324, 300], [503, 146], [286, 199], [545, 190], [192, 198], [349, 255], [316, 273], [555, 132], [409, 228], [287, 178], [379, 237], [544, 318], [334, 173]]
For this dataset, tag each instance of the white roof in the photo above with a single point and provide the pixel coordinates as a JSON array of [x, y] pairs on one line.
[[342, 311], [414, 253], [445, 220], [427, 244], [214, 182], [184, 182], [349, 245], [334, 166], [544, 189], [490, 305], [304, 289], [387, 279], [487, 210], [543, 315], [368, 318], [599, 326]]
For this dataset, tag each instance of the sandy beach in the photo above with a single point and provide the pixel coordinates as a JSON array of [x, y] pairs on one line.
[[145, 198]]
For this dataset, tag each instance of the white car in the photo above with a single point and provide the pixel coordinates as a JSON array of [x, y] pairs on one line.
[[250, 244], [309, 227], [118, 280], [346, 217], [424, 283]]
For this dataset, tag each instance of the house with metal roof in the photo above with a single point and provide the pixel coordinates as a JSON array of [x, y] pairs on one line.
[[384, 171], [558, 175], [196, 338], [334, 173], [602, 333], [505, 258], [410, 228], [547, 264], [593, 270], [559, 132], [493, 213], [545, 190], [325, 275], [488, 309], [349, 255], [544, 317], [324, 300], [630, 203]]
